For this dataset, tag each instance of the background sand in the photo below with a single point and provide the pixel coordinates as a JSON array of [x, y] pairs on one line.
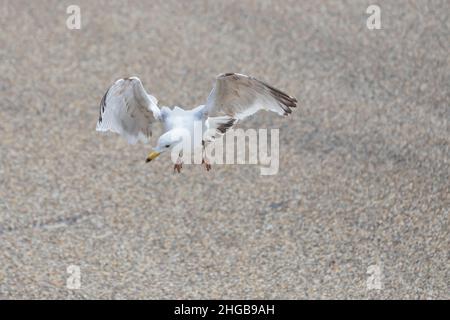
[[364, 169]]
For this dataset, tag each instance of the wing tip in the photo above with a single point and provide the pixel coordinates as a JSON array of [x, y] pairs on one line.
[[285, 101], [103, 105], [100, 128]]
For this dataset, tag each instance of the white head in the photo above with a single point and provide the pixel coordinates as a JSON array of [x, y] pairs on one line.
[[167, 141]]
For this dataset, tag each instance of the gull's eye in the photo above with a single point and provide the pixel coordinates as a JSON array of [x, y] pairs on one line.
[[167, 145]]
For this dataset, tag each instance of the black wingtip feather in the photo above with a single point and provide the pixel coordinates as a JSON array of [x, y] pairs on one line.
[[286, 102], [102, 106], [227, 125]]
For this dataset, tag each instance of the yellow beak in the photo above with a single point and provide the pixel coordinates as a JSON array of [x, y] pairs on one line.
[[152, 155]]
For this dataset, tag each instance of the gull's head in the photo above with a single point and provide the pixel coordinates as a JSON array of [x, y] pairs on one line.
[[166, 142]]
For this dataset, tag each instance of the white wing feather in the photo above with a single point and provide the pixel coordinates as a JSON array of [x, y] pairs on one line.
[[128, 110]]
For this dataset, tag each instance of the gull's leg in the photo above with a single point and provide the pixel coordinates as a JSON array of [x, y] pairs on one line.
[[204, 159], [179, 164], [207, 164]]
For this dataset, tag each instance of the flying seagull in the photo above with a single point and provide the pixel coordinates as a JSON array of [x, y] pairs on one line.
[[127, 109]]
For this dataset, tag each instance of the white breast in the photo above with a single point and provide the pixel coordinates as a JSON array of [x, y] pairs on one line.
[[179, 118]]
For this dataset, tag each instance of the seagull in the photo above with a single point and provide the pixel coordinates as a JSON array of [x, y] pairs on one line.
[[127, 109]]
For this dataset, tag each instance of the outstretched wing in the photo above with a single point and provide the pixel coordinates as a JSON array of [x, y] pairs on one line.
[[128, 110], [236, 96], [240, 96]]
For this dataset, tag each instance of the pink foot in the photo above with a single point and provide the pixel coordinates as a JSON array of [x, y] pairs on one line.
[[207, 164], [177, 167]]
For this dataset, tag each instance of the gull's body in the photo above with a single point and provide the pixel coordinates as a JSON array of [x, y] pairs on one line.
[[129, 110], [177, 118], [182, 123]]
